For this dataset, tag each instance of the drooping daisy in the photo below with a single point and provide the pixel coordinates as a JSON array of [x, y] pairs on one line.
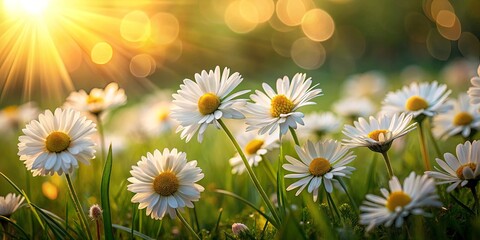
[[254, 146], [98, 100], [319, 162], [278, 110], [203, 102], [56, 142], [163, 182], [353, 108], [421, 100], [474, 90], [319, 124], [461, 170], [377, 134], [416, 193], [156, 115], [9, 204], [463, 119]]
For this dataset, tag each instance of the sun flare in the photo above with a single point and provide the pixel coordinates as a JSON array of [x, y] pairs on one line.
[[28, 7]]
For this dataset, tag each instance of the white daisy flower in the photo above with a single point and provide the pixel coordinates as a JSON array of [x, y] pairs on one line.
[[13, 117], [378, 134], [254, 146], [56, 142], [463, 119], [10, 203], [156, 118], [320, 162], [353, 107], [319, 124], [474, 90], [273, 110], [366, 84], [460, 170], [424, 99], [203, 102], [163, 182], [417, 192], [98, 100]]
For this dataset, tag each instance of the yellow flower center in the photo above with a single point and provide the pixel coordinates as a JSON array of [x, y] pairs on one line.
[[319, 166], [281, 105], [462, 119], [253, 146], [415, 103], [57, 142], [10, 110], [375, 133], [163, 115], [208, 103], [397, 199], [459, 171], [92, 99], [166, 184]]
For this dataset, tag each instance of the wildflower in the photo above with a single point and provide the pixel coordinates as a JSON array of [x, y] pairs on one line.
[[421, 100], [460, 170], [353, 108], [239, 228], [319, 162], [367, 84], [278, 110], [205, 101], [319, 124], [9, 204], [474, 90], [56, 142], [163, 182], [416, 193], [156, 115], [377, 134], [463, 119], [95, 212], [12, 117], [98, 100], [254, 146]]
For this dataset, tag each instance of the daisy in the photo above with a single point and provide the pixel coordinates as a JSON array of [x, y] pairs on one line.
[[463, 119], [56, 142], [421, 100], [353, 107], [416, 193], [156, 118], [254, 146], [461, 170], [9, 204], [367, 84], [12, 117], [377, 134], [474, 90], [205, 101], [319, 124], [163, 182], [272, 110], [320, 162], [98, 100]]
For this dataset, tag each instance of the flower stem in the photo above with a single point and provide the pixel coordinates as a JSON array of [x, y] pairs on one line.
[[269, 169], [475, 197], [281, 180], [185, 223], [423, 146], [352, 201], [102, 137], [97, 225], [434, 141], [252, 175], [78, 206], [294, 136], [461, 204], [387, 163], [5, 228]]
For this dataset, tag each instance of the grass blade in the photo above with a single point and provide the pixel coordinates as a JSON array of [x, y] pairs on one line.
[[136, 233], [15, 225], [105, 196]]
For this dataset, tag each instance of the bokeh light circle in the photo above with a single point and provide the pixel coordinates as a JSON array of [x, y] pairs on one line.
[[101, 53], [135, 26], [318, 25], [308, 54]]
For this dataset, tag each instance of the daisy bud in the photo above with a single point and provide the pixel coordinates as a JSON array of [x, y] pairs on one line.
[[239, 228], [95, 212]]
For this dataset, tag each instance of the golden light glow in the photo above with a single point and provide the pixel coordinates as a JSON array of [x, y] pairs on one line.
[[318, 25], [101, 53], [135, 27], [291, 12], [165, 28], [308, 54], [30, 7], [236, 18], [142, 65]]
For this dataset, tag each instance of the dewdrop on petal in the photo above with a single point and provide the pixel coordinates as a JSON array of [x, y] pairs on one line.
[[95, 212]]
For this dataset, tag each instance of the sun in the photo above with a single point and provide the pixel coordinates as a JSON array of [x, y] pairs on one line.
[[27, 7]]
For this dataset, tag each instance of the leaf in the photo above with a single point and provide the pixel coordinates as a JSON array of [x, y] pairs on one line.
[[15, 225], [136, 233], [105, 196]]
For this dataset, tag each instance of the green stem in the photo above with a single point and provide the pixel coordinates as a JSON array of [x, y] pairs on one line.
[[475, 197], [280, 180], [252, 175], [387, 163], [5, 230], [196, 217], [78, 206], [102, 137], [97, 225], [29, 193], [294, 135], [332, 203], [342, 183], [269, 168], [423, 146], [185, 223], [461, 204]]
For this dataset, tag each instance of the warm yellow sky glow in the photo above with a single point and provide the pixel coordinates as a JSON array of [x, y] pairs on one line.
[[29, 7]]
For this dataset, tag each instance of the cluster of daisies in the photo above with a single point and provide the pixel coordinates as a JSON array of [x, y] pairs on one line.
[[165, 182]]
